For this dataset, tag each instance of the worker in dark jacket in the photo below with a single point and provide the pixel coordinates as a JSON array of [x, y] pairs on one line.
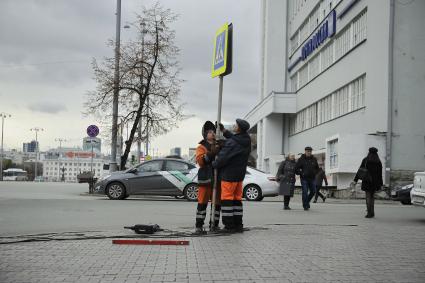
[[307, 167], [232, 161], [373, 182], [320, 177], [205, 154]]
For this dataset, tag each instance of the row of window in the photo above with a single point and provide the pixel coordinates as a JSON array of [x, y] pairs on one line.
[[347, 99], [347, 39], [318, 14], [73, 164], [69, 169], [65, 174]]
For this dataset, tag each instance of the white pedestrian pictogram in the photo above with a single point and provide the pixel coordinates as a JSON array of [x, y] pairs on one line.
[[219, 55]]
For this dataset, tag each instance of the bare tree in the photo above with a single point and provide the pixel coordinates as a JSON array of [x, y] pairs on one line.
[[149, 79]]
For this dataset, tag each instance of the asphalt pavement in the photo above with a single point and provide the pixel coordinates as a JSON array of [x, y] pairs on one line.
[[71, 232]]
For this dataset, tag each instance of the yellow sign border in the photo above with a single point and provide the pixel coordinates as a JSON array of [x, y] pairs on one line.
[[221, 70]]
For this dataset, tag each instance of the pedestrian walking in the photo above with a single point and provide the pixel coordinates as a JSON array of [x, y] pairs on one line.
[[205, 154], [286, 177], [232, 161], [307, 167], [320, 177], [370, 172]]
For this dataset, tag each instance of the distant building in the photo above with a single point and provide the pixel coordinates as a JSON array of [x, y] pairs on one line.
[[97, 144], [30, 146], [176, 151], [68, 163]]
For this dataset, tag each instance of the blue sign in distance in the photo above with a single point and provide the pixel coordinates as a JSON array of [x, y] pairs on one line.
[[92, 131]]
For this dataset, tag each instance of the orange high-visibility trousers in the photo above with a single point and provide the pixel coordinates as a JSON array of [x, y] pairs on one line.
[[231, 204], [204, 196]]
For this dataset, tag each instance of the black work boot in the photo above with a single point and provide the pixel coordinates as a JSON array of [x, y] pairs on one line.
[[200, 231]]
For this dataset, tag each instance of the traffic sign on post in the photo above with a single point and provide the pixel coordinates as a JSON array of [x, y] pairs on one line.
[[221, 66], [222, 56], [92, 131]]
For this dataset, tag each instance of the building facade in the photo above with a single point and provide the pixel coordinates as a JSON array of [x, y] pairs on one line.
[[342, 76], [68, 163], [30, 146]]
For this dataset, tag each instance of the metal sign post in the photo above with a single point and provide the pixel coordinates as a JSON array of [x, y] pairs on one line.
[[92, 132], [221, 66]]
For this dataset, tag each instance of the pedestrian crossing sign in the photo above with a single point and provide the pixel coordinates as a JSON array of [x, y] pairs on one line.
[[222, 57]]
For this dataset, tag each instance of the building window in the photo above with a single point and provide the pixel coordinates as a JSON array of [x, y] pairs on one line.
[[333, 154], [294, 82], [294, 43], [304, 32], [303, 79], [342, 43], [359, 29], [357, 94], [314, 67], [348, 98], [327, 56], [314, 19]]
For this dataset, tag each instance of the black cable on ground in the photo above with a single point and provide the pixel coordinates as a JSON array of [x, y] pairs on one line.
[[81, 236]]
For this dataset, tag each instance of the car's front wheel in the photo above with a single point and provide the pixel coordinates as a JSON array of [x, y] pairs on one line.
[[191, 192], [405, 202], [252, 193], [116, 191]]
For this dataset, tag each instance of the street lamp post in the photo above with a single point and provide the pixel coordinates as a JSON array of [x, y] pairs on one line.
[[36, 130], [3, 116], [113, 163]]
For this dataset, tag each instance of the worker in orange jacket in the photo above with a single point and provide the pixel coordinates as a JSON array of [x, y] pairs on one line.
[[205, 155]]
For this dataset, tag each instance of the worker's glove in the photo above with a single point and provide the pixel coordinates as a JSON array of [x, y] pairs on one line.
[[208, 157], [221, 126]]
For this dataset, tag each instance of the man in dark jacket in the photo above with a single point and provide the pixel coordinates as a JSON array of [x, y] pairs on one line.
[[232, 161], [307, 167]]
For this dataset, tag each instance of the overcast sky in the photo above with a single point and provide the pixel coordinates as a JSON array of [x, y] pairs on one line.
[[46, 48]]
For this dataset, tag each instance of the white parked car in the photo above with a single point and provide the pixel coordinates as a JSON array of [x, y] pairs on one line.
[[417, 194], [258, 185]]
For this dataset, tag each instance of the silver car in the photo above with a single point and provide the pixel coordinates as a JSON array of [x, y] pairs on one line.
[[164, 177], [258, 184]]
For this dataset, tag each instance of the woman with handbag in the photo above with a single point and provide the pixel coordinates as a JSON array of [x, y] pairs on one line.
[[370, 172], [286, 177]]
